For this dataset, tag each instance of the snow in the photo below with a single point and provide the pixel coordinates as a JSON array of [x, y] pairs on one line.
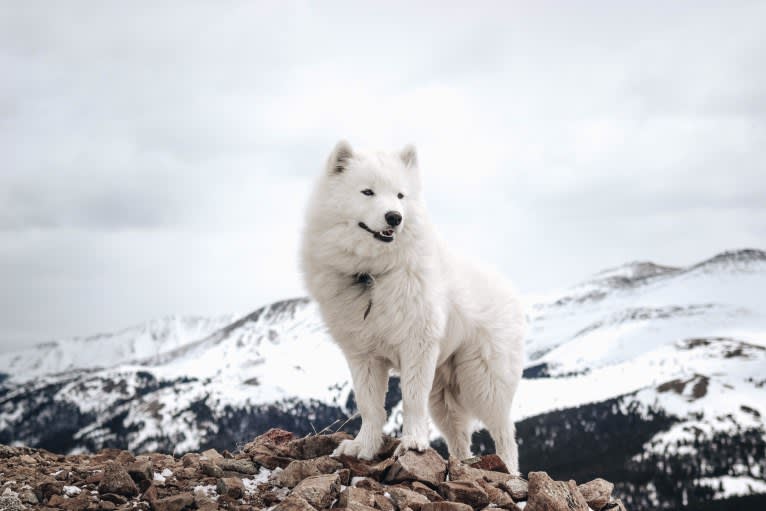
[[733, 486], [71, 491]]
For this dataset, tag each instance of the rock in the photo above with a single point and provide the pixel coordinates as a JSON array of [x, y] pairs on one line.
[[299, 470], [230, 486], [597, 493], [497, 496], [427, 467], [362, 468], [116, 480], [491, 462], [426, 491], [11, 502], [403, 498], [57, 501], [294, 503], [369, 484], [48, 488], [190, 459], [517, 487], [545, 494], [27, 496], [270, 449], [319, 491], [113, 497], [210, 469], [353, 495], [211, 454], [150, 494], [315, 445], [140, 470], [239, 466], [105, 505], [27, 459], [467, 492], [459, 471], [383, 503], [445, 506], [174, 503]]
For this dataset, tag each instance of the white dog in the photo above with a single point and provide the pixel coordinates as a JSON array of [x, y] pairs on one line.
[[394, 297]]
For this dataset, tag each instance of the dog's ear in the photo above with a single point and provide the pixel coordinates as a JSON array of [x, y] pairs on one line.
[[409, 156], [339, 157]]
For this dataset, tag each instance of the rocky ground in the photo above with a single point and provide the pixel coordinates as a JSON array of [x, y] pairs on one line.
[[280, 472]]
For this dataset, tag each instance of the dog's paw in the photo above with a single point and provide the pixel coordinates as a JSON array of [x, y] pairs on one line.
[[355, 449], [411, 443]]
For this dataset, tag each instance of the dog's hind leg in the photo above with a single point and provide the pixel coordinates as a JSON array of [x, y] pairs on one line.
[[487, 390], [450, 417]]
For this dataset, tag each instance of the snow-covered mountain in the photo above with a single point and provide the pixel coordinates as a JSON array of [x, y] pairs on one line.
[[662, 368]]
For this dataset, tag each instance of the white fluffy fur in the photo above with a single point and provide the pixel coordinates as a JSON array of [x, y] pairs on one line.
[[454, 331]]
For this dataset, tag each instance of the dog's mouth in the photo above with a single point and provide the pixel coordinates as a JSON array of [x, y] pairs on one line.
[[386, 235]]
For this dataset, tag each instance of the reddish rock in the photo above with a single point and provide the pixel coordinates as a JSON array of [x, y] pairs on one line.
[[140, 470], [369, 484], [467, 492], [404, 498], [299, 470], [545, 494], [294, 503], [459, 471], [445, 506], [491, 462], [517, 487], [597, 493], [427, 467], [426, 491], [230, 486], [497, 496], [211, 469], [174, 502], [383, 503], [315, 445], [116, 480], [353, 495], [211, 455], [240, 466], [48, 488], [319, 491], [362, 468]]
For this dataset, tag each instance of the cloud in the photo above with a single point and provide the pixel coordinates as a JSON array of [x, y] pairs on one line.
[[155, 159]]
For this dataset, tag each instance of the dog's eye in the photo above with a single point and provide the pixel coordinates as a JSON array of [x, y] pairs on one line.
[[400, 195], [368, 192]]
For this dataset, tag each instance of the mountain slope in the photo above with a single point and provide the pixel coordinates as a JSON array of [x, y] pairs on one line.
[[649, 375]]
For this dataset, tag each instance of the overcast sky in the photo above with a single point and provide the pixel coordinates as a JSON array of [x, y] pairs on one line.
[[156, 160]]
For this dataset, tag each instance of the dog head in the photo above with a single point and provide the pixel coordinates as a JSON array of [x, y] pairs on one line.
[[372, 197]]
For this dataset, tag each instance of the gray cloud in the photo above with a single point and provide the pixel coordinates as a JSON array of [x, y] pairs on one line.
[[155, 159]]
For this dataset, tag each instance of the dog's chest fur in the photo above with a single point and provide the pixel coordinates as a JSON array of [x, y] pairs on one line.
[[370, 314]]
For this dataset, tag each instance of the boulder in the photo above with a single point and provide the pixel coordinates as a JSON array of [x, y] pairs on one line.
[[230, 486], [497, 496], [116, 480], [319, 491], [445, 506], [597, 493], [545, 494], [314, 446], [491, 462], [140, 470], [174, 503], [459, 471], [353, 495], [299, 470], [467, 492], [240, 466], [427, 467], [517, 487], [404, 498], [294, 503]]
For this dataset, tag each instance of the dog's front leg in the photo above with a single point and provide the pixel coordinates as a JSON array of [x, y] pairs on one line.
[[370, 376], [417, 371]]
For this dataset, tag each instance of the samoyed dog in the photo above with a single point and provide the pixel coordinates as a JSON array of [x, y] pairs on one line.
[[395, 298]]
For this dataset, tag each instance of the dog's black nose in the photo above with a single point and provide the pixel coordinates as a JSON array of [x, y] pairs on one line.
[[393, 218]]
